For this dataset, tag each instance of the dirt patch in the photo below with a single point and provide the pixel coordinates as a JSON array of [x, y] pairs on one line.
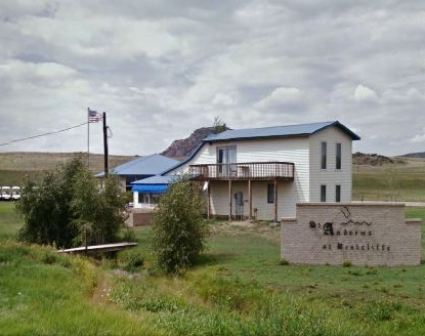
[[102, 292]]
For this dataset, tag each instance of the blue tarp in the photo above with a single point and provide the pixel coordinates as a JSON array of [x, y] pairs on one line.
[[150, 188]]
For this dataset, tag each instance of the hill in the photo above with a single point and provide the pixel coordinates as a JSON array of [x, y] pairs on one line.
[[374, 159], [420, 155], [181, 148]]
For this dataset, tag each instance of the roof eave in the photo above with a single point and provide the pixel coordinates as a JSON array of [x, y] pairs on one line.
[[300, 135], [342, 127]]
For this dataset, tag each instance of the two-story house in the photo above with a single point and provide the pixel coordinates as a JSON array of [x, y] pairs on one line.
[[261, 173]]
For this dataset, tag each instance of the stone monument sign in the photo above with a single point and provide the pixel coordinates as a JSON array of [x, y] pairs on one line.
[[362, 233]]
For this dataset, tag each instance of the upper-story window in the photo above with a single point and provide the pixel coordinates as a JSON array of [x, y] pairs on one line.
[[324, 154], [338, 155], [225, 156]]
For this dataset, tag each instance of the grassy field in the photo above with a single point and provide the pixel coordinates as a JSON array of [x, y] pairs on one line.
[[15, 167], [391, 182], [238, 288]]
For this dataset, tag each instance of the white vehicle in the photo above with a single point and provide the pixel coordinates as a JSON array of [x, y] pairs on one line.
[[5, 193], [16, 193]]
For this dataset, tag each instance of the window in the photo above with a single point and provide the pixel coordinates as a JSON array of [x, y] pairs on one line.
[[155, 198], [322, 193], [337, 193], [148, 198], [324, 155], [225, 156], [144, 198], [270, 193], [338, 156]]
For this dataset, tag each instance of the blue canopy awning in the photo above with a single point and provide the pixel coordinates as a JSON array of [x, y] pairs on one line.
[[150, 188]]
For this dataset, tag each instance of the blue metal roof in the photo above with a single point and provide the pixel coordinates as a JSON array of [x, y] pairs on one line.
[[157, 179], [147, 165], [278, 131], [266, 132]]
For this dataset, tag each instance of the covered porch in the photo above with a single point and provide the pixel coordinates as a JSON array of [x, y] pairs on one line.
[[235, 184]]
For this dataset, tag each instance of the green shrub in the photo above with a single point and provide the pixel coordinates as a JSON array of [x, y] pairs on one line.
[[283, 262], [347, 264], [382, 310], [233, 293], [130, 260], [128, 235], [49, 258], [66, 208], [160, 304], [179, 228]]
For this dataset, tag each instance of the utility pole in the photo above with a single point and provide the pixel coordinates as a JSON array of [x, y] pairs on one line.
[[105, 144], [88, 138]]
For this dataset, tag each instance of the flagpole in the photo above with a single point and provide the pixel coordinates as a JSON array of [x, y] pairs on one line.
[[88, 138]]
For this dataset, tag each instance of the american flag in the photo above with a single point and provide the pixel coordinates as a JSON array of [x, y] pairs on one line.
[[94, 116]]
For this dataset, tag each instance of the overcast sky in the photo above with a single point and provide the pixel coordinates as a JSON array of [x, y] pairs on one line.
[[160, 69]]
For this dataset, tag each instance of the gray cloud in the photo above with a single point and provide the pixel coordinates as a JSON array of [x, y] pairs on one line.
[[161, 69]]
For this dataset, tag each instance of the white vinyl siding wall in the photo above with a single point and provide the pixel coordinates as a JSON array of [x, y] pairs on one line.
[[330, 176], [304, 152], [294, 150], [265, 211]]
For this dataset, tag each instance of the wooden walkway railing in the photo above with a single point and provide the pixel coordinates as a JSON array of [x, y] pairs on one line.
[[99, 248]]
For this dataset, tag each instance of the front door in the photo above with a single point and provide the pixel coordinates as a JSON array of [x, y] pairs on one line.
[[238, 197]]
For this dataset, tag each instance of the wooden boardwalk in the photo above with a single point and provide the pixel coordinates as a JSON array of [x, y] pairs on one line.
[[99, 248]]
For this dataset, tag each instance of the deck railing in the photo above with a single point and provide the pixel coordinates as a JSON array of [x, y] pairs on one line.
[[243, 171]]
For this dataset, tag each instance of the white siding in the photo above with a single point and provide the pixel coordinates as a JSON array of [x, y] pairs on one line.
[[294, 150], [265, 211], [330, 176], [304, 152]]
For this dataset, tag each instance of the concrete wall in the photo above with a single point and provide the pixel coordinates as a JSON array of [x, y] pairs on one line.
[[140, 217], [363, 234]]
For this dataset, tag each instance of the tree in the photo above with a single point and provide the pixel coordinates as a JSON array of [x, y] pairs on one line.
[[219, 125], [179, 228], [46, 208], [67, 208]]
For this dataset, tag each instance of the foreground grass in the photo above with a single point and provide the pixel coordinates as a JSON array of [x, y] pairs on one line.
[[46, 294], [238, 288]]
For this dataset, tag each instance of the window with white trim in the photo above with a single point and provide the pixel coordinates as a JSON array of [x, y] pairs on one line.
[[323, 193]]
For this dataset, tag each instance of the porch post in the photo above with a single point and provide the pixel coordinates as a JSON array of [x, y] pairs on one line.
[[230, 200], [209, 201], [275, 199], [250, 199]]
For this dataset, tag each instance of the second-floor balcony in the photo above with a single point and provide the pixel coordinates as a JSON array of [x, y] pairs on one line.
[[243, 171]]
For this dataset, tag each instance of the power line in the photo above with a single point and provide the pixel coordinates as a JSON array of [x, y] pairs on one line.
[[40, 135]]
